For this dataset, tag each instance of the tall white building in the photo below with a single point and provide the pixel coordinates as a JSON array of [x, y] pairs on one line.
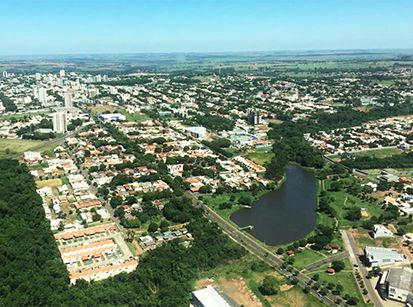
[[59, 122], [42, 95], [62, 73], [68, 99], [5, 74]]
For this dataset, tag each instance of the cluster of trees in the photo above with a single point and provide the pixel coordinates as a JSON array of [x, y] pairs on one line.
[[215, 122], [217, 148], [367, 162], [8, 104], [32, 273], [292, 149]]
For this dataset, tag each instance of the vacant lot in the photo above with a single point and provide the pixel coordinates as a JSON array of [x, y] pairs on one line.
[[49, 183], [100, 109], [11, 148]]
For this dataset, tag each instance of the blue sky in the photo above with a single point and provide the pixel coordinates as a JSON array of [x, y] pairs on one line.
[[128, 26]]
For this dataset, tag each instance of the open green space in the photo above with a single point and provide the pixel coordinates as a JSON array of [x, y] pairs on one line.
[[134, 117], [215, 201], [343, 201], [379, 153], [253, 271], [306, 257], [11, 148], [344, 278], [261, 156]]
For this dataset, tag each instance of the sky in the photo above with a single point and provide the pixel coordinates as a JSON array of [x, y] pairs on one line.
[[133, 26]]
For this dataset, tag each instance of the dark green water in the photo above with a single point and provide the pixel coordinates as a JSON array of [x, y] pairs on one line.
[[284, 215]]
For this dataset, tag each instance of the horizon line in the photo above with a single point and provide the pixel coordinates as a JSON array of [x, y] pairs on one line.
[[203, 52]]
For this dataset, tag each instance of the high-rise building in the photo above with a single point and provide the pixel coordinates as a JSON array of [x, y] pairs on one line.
[[5, 74], [38, 76], [42, 95], [62, 73], [59, 122], [68, 99], [254, 117]]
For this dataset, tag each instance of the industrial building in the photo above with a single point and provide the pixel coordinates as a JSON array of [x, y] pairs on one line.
[[397, 284], [379, 256], [208, 297]]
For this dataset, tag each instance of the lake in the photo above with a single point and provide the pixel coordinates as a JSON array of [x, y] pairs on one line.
[[286, 214]]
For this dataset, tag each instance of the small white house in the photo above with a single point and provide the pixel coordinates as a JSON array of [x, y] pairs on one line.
[[381, 231]]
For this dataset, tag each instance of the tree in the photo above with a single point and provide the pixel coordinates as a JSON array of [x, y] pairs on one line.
[[245, 200], [152, 227], [338, 265], [116, 201], [335, 186], [269, 285]]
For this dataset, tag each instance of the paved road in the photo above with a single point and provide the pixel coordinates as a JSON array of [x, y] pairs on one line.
[[335, 257], [261, 251], [352, 248]]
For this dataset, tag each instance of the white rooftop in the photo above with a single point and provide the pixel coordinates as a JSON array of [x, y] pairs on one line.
[[209, 297]]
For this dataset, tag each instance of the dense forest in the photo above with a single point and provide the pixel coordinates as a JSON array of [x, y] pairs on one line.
[[215, 122], [32, 273]]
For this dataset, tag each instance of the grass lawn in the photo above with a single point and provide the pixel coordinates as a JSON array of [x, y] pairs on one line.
[[306, 257], [134, 117], [99, 109], [49, 183], [344, 278], [344, 200], [261, 156], [379, 153], [213, 201], [11, 148]]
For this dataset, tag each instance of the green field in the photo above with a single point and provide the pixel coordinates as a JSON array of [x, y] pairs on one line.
[[379, 153], [344, 278], [261, 156], [343, 200], [306, 257], [13, 148], [134, 117]]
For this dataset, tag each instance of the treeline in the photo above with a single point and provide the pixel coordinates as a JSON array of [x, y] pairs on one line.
[[128, 82], [367, 162], [32, 273], [8, 104]]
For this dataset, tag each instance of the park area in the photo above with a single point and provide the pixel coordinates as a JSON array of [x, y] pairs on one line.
[[241, 280]]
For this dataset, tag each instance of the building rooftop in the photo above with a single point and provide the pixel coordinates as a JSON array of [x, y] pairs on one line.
[[401, 278], [209, 297]]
